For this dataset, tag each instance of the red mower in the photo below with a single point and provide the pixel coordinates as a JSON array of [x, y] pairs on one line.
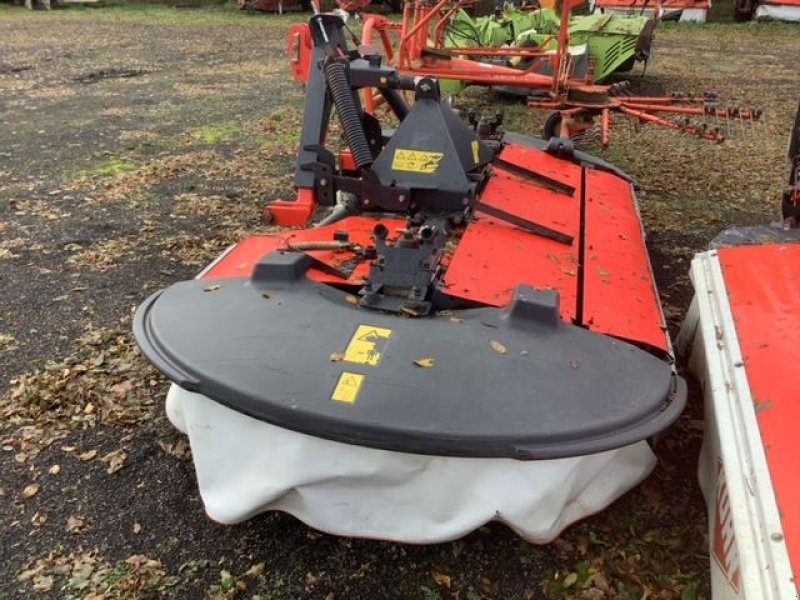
[[461, 326]]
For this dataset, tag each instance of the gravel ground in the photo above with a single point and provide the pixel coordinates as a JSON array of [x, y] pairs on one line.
[[135, 144]]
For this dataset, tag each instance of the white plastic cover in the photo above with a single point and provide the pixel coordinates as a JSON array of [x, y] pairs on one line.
[[245, 466], [696, 15], [780, 13], [693, 15]]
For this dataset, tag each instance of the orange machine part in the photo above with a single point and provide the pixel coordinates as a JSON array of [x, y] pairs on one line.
[[603, 276], [764, 291]]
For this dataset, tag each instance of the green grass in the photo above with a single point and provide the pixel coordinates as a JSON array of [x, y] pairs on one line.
[[216, 133], [114, 167], [145, 13]]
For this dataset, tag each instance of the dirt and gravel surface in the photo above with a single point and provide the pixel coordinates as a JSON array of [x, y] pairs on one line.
[[135, 144]]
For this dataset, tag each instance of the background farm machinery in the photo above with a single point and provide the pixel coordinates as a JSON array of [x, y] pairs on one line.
[[553, 76]]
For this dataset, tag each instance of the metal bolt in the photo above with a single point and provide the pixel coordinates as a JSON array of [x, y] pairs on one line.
[[366, 201], [401, 198], [738, 363], [323, 182], [776, 537]]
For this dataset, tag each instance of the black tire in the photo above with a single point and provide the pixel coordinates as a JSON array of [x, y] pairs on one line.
[[743, 10], [552, 125]]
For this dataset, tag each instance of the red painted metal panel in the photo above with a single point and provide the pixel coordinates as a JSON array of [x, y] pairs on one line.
[[241, 260], [619, 295], [543, 163], [764, 291], [494, 257]]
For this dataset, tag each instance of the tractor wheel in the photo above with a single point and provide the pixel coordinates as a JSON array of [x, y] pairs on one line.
[[744, 10], [552, 125]]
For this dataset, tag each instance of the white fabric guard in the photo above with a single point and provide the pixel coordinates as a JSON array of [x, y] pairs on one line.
[[245, 466]]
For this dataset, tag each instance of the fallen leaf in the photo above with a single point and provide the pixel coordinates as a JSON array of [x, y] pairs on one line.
[[88, 455], [122, 389], [137, 528], [54, 470], [179, 449], [29, 492], [456, 320], [43, 583], [115, 460], [574, 364], [498, 347], [426, 363], [256, 570], [570, 580], [337, 356], [441, 577], [76, 523], [351, 299], [212, 288]]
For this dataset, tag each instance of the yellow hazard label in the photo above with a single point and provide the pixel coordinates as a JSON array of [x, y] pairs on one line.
[[366, 345], [416, 161], [348, 387], [476, 154]]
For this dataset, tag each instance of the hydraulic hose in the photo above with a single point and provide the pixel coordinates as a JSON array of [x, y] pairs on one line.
[[339, 87]]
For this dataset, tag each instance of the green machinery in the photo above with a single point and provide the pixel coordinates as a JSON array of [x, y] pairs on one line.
[[611, 43]]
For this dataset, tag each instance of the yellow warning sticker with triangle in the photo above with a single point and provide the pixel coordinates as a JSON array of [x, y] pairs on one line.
[[367, 345], [348, 387], [416, 161]]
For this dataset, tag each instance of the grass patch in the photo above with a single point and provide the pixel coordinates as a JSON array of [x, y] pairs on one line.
[[114, 167], [217, 133], [202, 16]]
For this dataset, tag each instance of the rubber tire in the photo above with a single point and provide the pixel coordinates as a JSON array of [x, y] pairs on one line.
[[552, 125], [743, 10]]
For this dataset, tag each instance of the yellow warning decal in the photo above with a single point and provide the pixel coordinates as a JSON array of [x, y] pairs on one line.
[[348, 387], [416, 161], [366, 345], [476, 154]]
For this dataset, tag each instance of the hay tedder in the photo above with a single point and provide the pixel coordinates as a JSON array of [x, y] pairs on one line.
[[606, 44], [416, 48]]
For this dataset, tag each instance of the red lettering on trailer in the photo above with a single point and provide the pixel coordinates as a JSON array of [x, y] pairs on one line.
[[724, 549]]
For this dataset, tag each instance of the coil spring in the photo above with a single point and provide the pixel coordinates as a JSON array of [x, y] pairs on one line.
[[339, 86], [332, 246]]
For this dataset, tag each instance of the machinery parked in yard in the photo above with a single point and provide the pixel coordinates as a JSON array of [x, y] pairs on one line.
[[681, 10], [780, 10], [610, 43], [742, 340], [415, 47], [462, 326]]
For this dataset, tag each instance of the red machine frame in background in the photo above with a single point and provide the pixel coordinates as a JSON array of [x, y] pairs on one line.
[[415, 46]]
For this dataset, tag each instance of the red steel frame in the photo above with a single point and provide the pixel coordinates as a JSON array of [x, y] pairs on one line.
[[415, 55]]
